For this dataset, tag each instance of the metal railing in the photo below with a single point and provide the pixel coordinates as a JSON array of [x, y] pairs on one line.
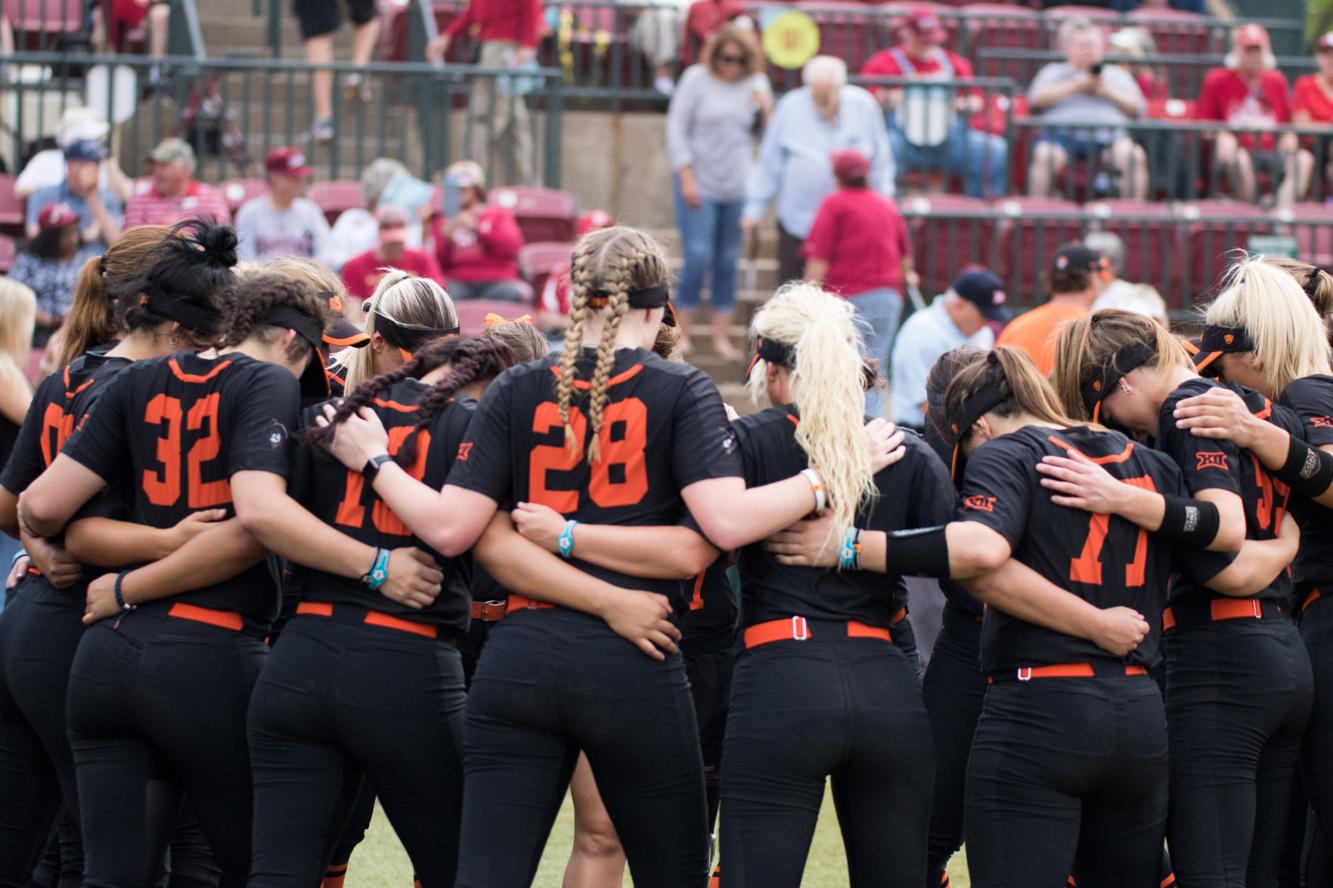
[[234, 110]]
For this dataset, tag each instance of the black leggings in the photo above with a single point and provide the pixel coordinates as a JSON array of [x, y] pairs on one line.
[[1238, 699], [335, 701], [1317, 748], [830, 707], [1068, 775], [549, 683], [156, 709], [954, 689], [351, 835], [39, 633], [710, 674]]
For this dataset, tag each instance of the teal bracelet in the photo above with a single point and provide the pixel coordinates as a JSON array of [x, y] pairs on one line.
[[565, 544], [378, 574], [849, 556]]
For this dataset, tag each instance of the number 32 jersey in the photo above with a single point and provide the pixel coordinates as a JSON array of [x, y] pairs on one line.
[[664, 428], [169, 433]]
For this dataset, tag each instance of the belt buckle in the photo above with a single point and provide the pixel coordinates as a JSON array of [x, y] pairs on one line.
[[492, 611], [1025, 673], [1257, 607], [800, 629]]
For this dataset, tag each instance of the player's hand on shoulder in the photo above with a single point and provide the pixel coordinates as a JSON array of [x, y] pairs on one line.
[[414, 578], [1218, 413], [885, 441], [357, 438], [1079, 483], [807, 543], [539, 524]]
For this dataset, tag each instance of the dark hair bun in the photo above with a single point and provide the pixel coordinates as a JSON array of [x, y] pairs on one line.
[[219, 243]]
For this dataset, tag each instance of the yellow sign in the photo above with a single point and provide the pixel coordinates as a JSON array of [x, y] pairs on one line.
[[791, 39]]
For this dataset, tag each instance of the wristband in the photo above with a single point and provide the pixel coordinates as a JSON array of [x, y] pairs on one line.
[[378, 574], [817, 488], [120, 597], [21, 553], [1192, 522], [917, 553], [565, 544], [1308, 470], [849, 556]]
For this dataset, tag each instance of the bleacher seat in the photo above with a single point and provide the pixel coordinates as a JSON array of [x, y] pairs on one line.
[[1150, 232], [949, 231], [335, 196], [544, 214], [1025, 244], [1170, 109], [537, 260], [1175, 31], [237, 191], [1000, 26], [44, 20], [1309, 223], [847, 30], [8, 252], [12, 210], [472, 313], [1214, 229]]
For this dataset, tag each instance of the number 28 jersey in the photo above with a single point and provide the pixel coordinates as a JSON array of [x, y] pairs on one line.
[[664, 428], [171, 432]]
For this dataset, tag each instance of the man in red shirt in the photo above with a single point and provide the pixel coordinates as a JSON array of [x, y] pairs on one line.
[[508, 31], [174, 194], [1312, 100], [361, 274], [478, 247], [928, 127], [859, 248], [1250, 95]]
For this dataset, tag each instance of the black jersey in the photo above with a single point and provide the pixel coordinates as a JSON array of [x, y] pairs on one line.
[[1311, 399], [1213, 464], [664, 428], [914, 492], [709, 621], [336, 374], [172, 431], [343, 499], [1102, 559]]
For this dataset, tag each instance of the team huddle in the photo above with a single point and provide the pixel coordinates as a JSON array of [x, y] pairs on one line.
[[266, 584]]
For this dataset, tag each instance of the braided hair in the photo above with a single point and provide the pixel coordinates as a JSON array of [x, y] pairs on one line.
[[605, 266], [469, 359], [251, 301]]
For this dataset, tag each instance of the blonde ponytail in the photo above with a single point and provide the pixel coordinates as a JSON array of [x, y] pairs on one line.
[[819, 330], [411, 302]]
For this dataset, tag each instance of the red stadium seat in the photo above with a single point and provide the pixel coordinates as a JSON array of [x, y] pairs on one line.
[[8, 251], [1171, 109], [472, 313], [1312, 226], [1030, 231], [1215, 228], [537, 260], [850, 30], [544, 214], [999, 26], [1151, 234], [949, 231], [237, 191], [49, 18], [12, 209], [335, 196], [1175, 31]]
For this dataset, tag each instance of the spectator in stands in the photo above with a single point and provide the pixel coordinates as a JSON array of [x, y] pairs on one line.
[[808, 125], [657, 33], [175, 195], [358, 230], [99, 210], [1312, 101], [361, 274], [1073, 282], [1250, 94], [703, 21], [710, 135], [1138, 42], [1087, 105], [478, 248], [282, 221], [929, 128], [508, 31], [319, 21], [47, 167], [965, 314], [120, 17], [50, 266], [859, 248]]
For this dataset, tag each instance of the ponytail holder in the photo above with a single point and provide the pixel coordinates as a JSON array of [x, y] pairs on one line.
[[598, 300], [1312, 280], [492, 319], [143, 299], [992, 358], [101, 265]]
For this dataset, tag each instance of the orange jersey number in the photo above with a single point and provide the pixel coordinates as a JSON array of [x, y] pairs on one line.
[[352, 511], [163, 486], [619, 478], [1087, 567]]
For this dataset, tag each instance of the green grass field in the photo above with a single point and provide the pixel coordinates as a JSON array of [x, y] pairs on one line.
[[380, 862]]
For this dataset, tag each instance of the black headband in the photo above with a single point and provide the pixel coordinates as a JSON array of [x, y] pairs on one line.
[[772, 352], [639, 297], [962, 419], [308, 328], [1225, 340], [409, 339], [1312, 280], [1127, 360], [202, 318]]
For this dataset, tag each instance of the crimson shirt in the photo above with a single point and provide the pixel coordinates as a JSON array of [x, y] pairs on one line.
[[518, 21], [863, 238], [1228, 98], [490, 253], [362, 273], [1310, 96], [885, 64], [199, 201]]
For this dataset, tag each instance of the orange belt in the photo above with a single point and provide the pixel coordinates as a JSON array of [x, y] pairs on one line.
[[488, 611], [1063, 670], [372, 618], [897, 616], [1315, 595], [798, 629], [220, 618], [1225, 609], [522, 602]]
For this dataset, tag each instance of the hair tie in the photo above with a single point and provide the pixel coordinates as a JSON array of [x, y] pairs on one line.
[[492, 319], [101, 265], [598, 300], [992, 358]]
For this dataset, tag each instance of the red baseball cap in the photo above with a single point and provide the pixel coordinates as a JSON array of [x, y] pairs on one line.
[[925, 23], [56, 215], [1250, 35], [1326, 40], [848, 163], [288, 162]]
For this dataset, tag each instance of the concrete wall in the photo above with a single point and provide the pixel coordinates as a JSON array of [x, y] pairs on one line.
[[618, 162]]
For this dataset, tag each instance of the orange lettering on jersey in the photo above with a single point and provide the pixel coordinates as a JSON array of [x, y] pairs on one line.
[[980, 503], [1211, 459], [463, 450], [1322, 422]]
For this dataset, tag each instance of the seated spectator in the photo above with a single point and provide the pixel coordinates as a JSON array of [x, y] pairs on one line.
[[175, 195], [98, 209], [929, 128], [1073, 282], [282, 221], [357, 230], [362, 274], [1138, 42], [703, 21], [478, 247], [657, 33], [859, 248], [1250, 94], [47, 167], [1312, 101], [50, 266], [965, 314], [1112, 249], [120, 17], [1087, 105]]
